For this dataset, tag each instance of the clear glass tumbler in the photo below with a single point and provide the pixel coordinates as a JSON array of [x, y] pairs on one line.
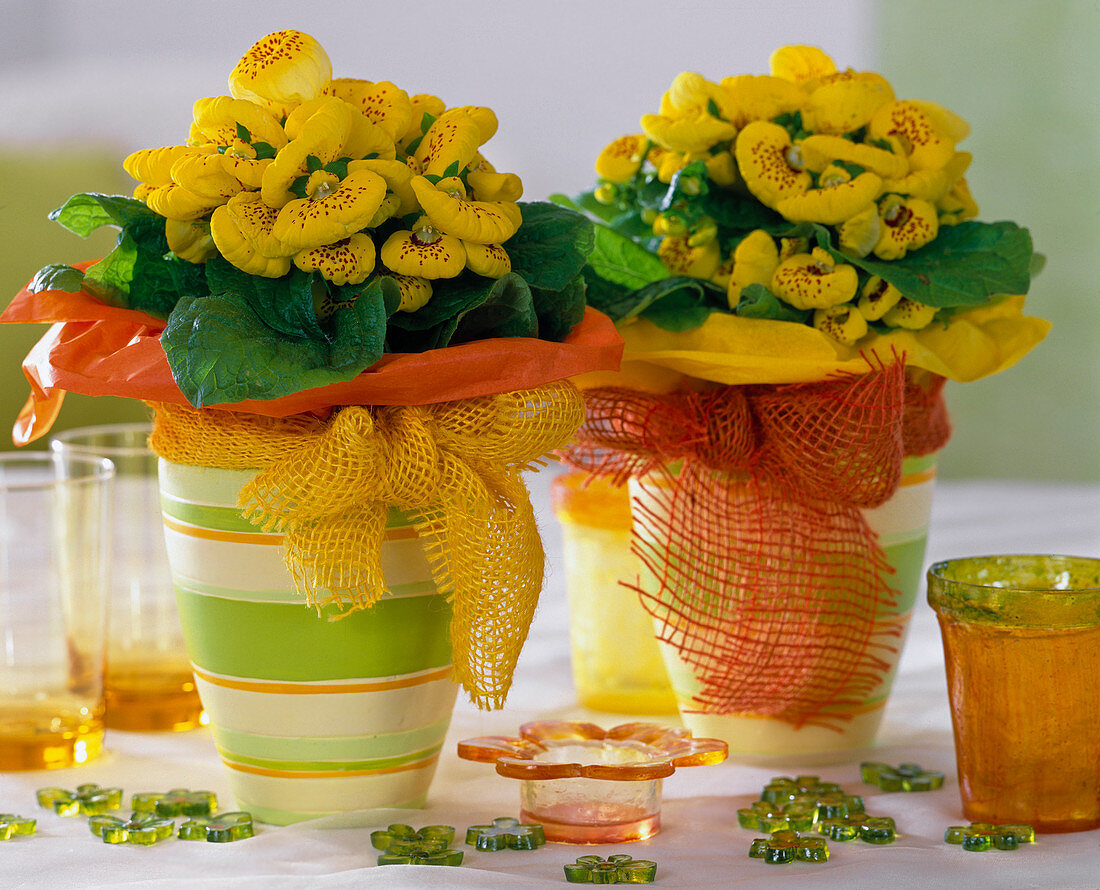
[[150, 686], [1021, 639], [54, 551]]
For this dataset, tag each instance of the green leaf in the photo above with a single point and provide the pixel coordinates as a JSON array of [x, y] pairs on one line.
[[551, 247], [740, 213], [57, 276], [84, 213], [759, 302], [338, 168], [622, 304], [966, 265], [426, 121], [507, 311], [313, 163], [587, 203], [132, 277], [559, 311], [620, 260], [242, 133], [452, 169], [683, 309], [264, 150], [391, 292], [221, 352], [285, 304]]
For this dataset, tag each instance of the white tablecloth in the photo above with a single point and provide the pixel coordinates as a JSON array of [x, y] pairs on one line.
[[700, 844]]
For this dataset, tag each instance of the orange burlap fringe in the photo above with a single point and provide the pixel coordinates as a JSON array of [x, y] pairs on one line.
[[770, 584], [456, 467]]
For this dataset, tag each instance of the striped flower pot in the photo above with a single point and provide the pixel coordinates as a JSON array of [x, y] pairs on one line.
[[901, 526], [310, 716]]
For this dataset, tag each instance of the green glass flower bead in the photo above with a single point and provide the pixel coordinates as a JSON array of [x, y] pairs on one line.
[[981, 836], [797, 815], [400, 838], [505, 833], [221, 828], [785, 788], [12, 825], [87, 800], [878, 830], [140, 828], [789, 846], [906, 777], [177, 802], [616, 869], [421, 857]]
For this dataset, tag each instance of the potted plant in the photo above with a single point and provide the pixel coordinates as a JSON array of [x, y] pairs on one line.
[[795, 266], [354, 339]]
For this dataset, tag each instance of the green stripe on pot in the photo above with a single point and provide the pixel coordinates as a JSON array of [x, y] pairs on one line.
[[275, 816], [289, 641], [305, 766], [919, 464], [229, 518], [247, 747], [908, 560], [291, 596]]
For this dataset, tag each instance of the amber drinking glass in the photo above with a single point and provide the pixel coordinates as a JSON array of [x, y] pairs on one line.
[[1021, 639], [149, 684]]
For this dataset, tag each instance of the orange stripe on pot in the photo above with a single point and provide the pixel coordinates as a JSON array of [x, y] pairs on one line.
[[330, 774], [919, 478], [211, 534], [278, 688]]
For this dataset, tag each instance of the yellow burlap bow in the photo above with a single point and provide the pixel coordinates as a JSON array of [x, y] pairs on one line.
[[328, 486]]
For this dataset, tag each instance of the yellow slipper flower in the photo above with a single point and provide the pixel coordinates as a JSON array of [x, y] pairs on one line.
[[451, 139], [321, 135], [844, 323], [814, 281], [724, 273], [721, 168], [487, 260], [846, 102], [493, 186], [423, 253], [909, 314], [280, 71], [398, 179], [484, 117], [877, 297], [957, 205], [153, 166], [906, 225], [255, 221], [482, 222], [422, 103], [764, 156], [237, 250], [349, 261], [697, 132], [835, 201], [205, 175], [218, 117], [415, 292], [382, 103], [332, 210], [800, 64], [820, 150], [931, 184], [858, 235], [692, 94], [754, 262], [922, 130], [680, 258], [620, 160], [176, 202], [760, 97], [239, 161], [190, 239]]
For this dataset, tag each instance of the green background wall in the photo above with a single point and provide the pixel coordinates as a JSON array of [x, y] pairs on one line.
[[1026, 75]]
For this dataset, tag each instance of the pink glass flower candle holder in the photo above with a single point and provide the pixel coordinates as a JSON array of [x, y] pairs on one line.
[[588, 785]]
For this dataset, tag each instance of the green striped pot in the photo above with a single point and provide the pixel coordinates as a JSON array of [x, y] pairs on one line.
[[901, 525], [310, 716]]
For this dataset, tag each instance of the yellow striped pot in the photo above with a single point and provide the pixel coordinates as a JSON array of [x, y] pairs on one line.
[[901, 527], [310, 716]]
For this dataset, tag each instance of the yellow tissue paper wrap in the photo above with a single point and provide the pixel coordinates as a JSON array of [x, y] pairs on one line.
[[731, 350], [328, 486]]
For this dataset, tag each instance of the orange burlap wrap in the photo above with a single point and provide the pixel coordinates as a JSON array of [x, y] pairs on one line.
[[456, 467], [769, 582]]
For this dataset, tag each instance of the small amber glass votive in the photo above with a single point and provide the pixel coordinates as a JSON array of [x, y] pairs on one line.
[[1021, 639]]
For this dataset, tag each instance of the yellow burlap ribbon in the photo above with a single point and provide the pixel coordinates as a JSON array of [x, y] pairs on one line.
[[456, 467]]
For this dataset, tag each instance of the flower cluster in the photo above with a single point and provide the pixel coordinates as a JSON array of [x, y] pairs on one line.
[[788, 190], [342, 177]]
